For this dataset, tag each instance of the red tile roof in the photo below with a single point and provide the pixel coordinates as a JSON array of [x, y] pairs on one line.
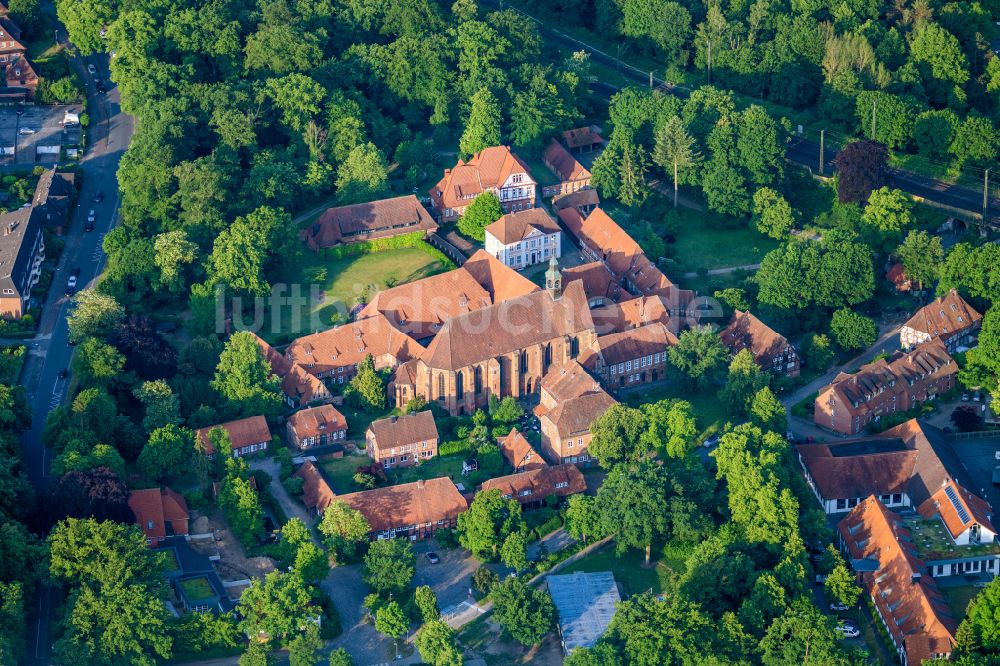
[[316, 491], [573, 417], [296, 383], [599, 283], [569, 380], [487, 170], [945, 316], [898, 277], [559, 480], [408, 504], [396, 431], [317, 421], [745, 331], [582, 136], [587, 197], [518, 453], [501, 281], [562, 163], [154, 507], [365, 221], [349, 344], [634, 343], [515, 227], [633, 313], [917, 617], [242, 432]]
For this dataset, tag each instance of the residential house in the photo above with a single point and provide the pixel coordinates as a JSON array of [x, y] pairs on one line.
[[632, 357], [54, 195], [299, 387], [583, 139], [12, 47], [771, 351], [572, 175], [317, 494], [633, 313], [368, 221], [247, 436], [947, 317], [907, 600], [913, 468], [852, 402], [22, 251], [316, 426], [531, 488], [502, 350], [495, 169], [583, 201], [519, 453], [20, 74], [160, 513], [413, 510], [401, 441], [524, 238], [335, 354], [900, 281], [570, 401]]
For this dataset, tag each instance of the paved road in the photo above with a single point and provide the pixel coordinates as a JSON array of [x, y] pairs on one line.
[[110, 132], [800, 150]]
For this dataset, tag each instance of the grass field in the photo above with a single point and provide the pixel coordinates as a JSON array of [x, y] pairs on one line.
[[340, 472], [958, 599], [344, 281], [450, 466], [702, 245], [709, 411], [628, 568]]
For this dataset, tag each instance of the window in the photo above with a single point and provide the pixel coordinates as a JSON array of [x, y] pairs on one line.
[[440, 387], [525, 492], [460, 385], [562, 484], [149, 524], [569, 444], [477, 379]]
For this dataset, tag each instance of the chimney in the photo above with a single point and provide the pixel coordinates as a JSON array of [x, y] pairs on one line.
[[915, 578], [394, 418], [420, 484]]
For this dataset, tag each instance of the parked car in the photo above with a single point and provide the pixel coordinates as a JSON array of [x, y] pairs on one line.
[[91, 218], [71, 285], [99, 197], [847, 630], [838, 606], [710, 441], [965, 396], [100, 87], [63, 373], [977, 396], [433, 558], [25, 131], [92, 70]]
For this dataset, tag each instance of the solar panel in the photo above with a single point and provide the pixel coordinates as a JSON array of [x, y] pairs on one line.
[[963, 515]]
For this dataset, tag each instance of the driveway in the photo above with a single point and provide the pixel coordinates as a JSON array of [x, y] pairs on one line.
[[292, 507]]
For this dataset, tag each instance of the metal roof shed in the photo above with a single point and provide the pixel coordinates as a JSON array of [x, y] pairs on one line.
[[585, 603]]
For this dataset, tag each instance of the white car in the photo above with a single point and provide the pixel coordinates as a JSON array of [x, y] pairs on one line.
[[92, 215], [848, 631], [838, 606], [92, 70], [25, 130]]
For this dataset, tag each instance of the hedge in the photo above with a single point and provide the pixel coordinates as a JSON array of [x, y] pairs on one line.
[[455, 447], [412, 239]]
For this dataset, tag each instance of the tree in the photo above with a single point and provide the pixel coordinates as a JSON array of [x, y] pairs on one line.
[[852, 330], [744, 380], [922, 256], [96, 363], [303, 650], [484, 210], [514, 551], [939, 52], [482, 129], [819, 353], [96, 493], [979, 633], [240, 255], [437, 645], [340, 657], [675, 148], [244, 378], [489, 521], [525, 613], [311, 563], [163, 408], [167, 453], [975, 141], [256, 654], [633, 499], [506, 411], [670, 427], [584, 518], [862, 166], [966, 418], [173, 252], [840, 584], [390, 620], [240, 502], [888, 211], [84, 21], [101, 553], [616, 435], [344, 528], [725, 187], [276, 608], [366, 389], [700, 355], [772, 216], [664, 23], [389, 565], [120, 623], [802, 635], [426, 601], [767, 411], [363, 176], [647, 629], [759, 146], [298, 97]]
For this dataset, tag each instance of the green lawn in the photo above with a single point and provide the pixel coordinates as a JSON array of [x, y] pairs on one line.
[[703, 246], [340, 472], [958, 599], [450, 466], [343, 282], [197, 588], [708, 409], [629, 569]]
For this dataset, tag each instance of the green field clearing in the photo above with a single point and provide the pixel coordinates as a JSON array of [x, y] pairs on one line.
[[709, 411], [628, 568], [340, 472]]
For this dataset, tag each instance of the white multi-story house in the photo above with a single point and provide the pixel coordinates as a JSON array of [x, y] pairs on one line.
[[495, 169], [524, 238]]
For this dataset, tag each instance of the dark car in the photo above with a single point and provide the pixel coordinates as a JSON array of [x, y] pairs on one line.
[[100, 87], [99, 197], [433, 558], [63, 373]]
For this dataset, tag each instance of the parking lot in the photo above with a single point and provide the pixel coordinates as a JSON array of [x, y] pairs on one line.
[[37, 135]]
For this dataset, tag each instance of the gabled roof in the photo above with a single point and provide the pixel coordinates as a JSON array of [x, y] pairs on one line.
[[559, 480], [19, 72], [745, 331], [396, 431], [316, 491], [18, 230], [518, 452], [242, 432], [487, 170], [508, 326], [944, 316], [562, 163], [585, 197], [569, 380], [408, 504], [573, 417], [917, 617], [501, 281], [598, 281], [154, 507], [364, 221], [634, 343], [316, 421], [515, 227], [349, 344], [633, 313], [582, 136]]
